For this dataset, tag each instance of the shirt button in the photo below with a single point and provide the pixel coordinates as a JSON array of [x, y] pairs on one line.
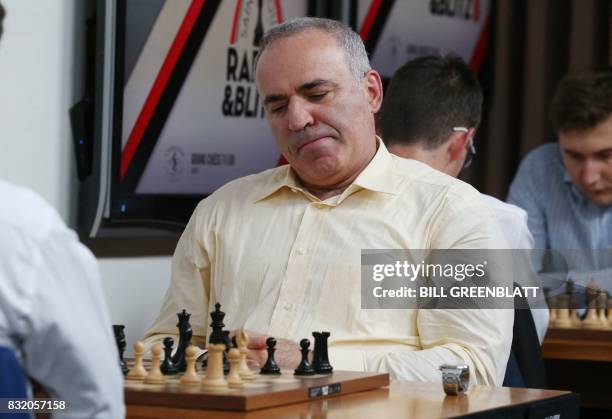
[[300, 251], [287, 307]]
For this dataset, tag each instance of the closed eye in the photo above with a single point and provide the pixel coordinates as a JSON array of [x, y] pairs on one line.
[[276, 107], [317, 96]]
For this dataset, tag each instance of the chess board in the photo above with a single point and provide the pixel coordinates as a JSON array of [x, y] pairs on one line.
[[261, 392]]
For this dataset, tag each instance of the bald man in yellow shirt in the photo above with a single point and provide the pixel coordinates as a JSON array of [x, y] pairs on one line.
[[281, 250]]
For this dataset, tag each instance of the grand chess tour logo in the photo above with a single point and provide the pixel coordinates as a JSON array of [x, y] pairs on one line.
[[174, 159], [251, 19]]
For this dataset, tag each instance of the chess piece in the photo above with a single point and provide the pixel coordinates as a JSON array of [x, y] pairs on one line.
[[233, 378], [118, 330], [216, 336], [304, 368], [138, 371], [563, 320], [591, 320], [320, 357], [270, 367], [217, 325], [569, 287], [168, 367], [155, 375], [552, 303], [191, 377], [601, 303], [214, 372], [242, 341], [185, 333], [575, 318]]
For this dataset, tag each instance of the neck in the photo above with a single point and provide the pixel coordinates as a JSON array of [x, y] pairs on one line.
[[325, 192], [335, 188], [415, 152]]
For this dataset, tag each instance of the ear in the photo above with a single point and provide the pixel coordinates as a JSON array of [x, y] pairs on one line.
[[374, 90], [457, 145]]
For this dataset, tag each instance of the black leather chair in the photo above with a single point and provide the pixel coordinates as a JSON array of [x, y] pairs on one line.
[[13, 380], [526, 364]]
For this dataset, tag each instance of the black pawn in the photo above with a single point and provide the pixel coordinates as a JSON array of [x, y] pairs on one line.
[[320, 357], [118, 329], [270, 366], [304, 368], [168, 367]]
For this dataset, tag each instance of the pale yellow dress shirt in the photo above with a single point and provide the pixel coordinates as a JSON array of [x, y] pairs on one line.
[[284, 263]]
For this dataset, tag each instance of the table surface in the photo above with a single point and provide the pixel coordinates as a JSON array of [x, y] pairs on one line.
[[400, 399], [578, 345]]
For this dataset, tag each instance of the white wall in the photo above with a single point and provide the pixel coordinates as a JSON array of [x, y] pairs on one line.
[[40, 73], [134, 290]]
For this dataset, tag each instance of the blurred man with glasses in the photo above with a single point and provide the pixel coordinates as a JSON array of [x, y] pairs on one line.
[[431, 112]]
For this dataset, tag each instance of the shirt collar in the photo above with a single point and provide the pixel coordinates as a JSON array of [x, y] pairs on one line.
[[375, 177]]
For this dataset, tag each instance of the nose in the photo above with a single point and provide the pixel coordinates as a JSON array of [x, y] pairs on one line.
[[298, 115], [591, 173]]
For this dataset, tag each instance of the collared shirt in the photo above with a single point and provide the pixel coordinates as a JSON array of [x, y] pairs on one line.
[[52, 309], [513, 223], [284, 263], [560, 217]]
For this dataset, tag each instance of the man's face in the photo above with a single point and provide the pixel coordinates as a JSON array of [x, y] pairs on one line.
[[322, 118], [588, 159]]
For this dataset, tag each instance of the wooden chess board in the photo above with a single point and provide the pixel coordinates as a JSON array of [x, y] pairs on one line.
[[261, 392]]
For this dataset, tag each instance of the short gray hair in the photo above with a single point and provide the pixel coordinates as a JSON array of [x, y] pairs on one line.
[[347, 39]]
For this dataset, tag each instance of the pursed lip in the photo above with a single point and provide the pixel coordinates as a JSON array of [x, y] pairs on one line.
[[310, 141]]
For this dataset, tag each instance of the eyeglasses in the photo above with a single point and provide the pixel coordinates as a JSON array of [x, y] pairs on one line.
[[470, 148]]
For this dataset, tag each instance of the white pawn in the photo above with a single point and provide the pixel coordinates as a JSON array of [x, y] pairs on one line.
[[552, 301], [563, 320], [233, 378], [155, 375], [575, 319], [214, 370], [138, 371], [191, 377], [243, 342]]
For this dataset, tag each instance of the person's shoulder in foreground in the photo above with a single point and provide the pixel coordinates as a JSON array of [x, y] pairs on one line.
[[52, 313]]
